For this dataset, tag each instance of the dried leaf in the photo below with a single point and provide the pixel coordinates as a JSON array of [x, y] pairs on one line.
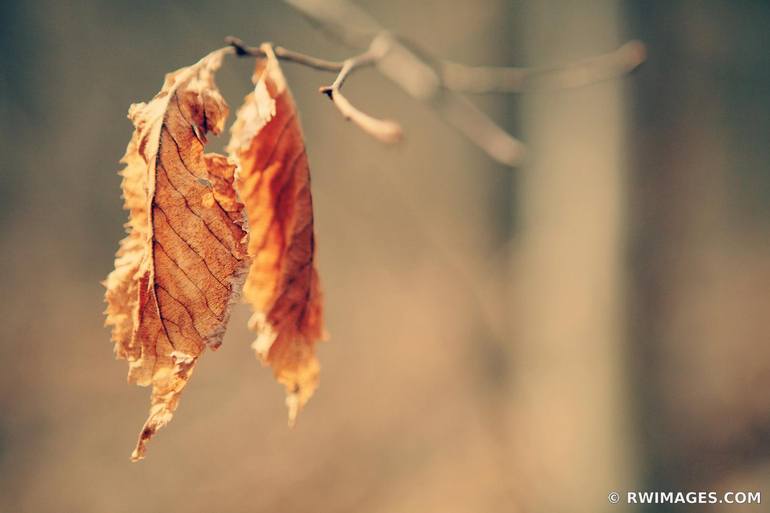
[[273, 181], [183, 260]]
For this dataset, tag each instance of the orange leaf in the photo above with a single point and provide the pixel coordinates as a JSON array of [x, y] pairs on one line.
[[183, 260], [273, 181]]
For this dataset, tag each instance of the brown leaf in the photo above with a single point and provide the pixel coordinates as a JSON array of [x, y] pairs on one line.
[[182, 263], [273, 181]]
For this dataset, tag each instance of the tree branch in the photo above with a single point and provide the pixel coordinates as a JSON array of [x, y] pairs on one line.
[[242, 50], [415, 74], [435, 81], [439, 83], [383, 130], [482, 79]]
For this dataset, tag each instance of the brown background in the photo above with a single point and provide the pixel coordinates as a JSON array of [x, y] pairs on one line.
[[502, 340]]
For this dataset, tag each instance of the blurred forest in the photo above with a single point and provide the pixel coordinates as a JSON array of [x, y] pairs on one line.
[[502, 340]]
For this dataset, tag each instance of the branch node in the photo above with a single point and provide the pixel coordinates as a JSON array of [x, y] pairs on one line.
[[238, 45]]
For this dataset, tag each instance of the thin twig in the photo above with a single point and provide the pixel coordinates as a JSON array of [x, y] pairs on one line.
[[300, 58], [438, 83], [409, 69], [241, 49], [383, 130], [434, 81], [492, 79]]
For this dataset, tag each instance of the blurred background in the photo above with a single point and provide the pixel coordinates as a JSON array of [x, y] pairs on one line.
[[522, 340]]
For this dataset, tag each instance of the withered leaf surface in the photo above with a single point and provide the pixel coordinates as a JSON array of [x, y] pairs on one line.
[[183, 261], [273, 181]]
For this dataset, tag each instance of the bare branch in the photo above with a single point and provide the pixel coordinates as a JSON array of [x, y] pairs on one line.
[[438, 82], [467, 119], [482, 79], [340, 20], [383, 130], [414, 72], [434, 81], [241, 49]]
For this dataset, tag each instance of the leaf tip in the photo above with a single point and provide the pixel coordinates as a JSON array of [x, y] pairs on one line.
[[293, 403], [141, 444]]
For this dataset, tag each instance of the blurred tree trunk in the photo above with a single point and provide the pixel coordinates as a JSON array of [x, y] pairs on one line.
[[570, 428], [702, 251]]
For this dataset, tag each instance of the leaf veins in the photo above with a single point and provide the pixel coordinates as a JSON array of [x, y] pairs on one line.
[[183, 261], [273, 180]]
